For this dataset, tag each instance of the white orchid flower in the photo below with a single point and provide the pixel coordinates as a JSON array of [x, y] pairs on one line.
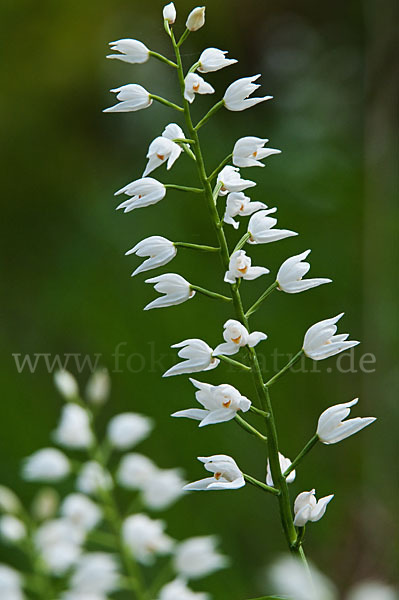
[[135, 470], [230, 180], [163, 149], [248, 152], [66, 384], [175, 288], [196, 18], [169, 13], [11, 583], [237, 336], [198, 357], [162, 489], [9, 501], [58, 543], [236, 96], [179, 590], [198, 557], [47, 464], [93, 478], [146, 538], [240, 267], [131, 97], [285, 463], [213, 59], [289, 276], [128, 429], [307, 509], [73, 430], [143, 192], [81, 511], [12, 529], [237, 204], [260, 228], [95, 574], [131, 51], [332, 428], [227, 475], [195, 84], [159, 249], [220, 403], [320, 341]]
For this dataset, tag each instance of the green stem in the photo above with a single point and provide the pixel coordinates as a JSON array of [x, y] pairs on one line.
[[260, 413], [163, 59], [300, 537], [241, 242], [234, 363], [210, 294], [288, 366], [209, 114], [262, 392], [194, 67], [184, 36], [261, 485], [183, 141], [312, 442], [245, 425], [166, 102], [183, 188], [196, 246], [261, 299], [220, 167]]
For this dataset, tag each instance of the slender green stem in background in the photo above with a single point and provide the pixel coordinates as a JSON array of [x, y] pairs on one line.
[[41, 581], [288, 366], [234, 363], [163, 59], [300, 537], [260, 413], [220, 167], [261, 485], [196, 247], [245, 425], [261, 299], [209, 114], [262, 392], [312, 442], [183, 188], [166, 102], [241, 242], [206, 292]]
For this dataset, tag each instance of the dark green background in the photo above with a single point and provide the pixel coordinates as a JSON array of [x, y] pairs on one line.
[[66, 285]]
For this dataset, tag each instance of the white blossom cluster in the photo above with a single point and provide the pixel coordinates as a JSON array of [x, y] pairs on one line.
[[229, 204], [79, 542]]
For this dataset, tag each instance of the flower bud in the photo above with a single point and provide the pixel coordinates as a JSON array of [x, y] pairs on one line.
[[169, 13], [9, 502], [12, 530], [98, 387], [45, 504], [66, 384], [196, 19]]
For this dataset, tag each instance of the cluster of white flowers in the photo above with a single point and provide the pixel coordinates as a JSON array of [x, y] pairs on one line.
[[221, 403], [73, 541]]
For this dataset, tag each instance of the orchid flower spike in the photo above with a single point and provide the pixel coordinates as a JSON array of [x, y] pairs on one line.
[[240, 267], [236, 96], [143, 192], [159, 249], [146, 538], [131, 51], [132, 97], [236, 337], [249, 151], [227, 475], [163, 149], [285, 463], [169, 13], [198, 357], [237, 204], [175, 288], [289, 276], [213, 59], [260, 228], [230, 180], [195, 84], [332, 428], [307, 509], [196, 19], [320, 341], [220, 403], [198, 557]]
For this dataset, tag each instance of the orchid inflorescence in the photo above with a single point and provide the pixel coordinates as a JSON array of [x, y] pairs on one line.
[[98, 539], [226, 191]]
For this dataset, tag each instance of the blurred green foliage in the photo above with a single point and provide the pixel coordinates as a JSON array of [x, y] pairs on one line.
[[66, 284]]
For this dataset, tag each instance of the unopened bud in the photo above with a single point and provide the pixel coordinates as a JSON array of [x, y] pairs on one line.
[[196, 19]]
